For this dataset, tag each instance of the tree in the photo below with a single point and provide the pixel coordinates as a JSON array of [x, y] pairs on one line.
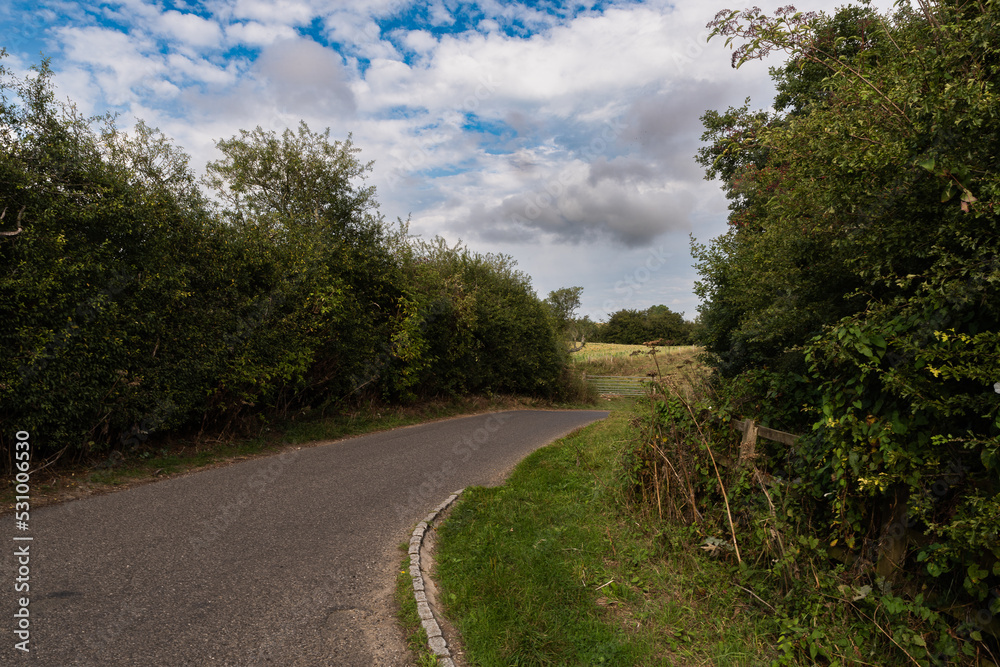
[[779, 275], [300, 179], [562, 304], [130, 304], [479, 324], [307, 194], [668, 326], [105, 295], [635, 327], [626, 327], [586, 329]]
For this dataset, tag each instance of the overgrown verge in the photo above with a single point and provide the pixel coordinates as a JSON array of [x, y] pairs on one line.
[[869, 601], [646, 539], [552, 568]]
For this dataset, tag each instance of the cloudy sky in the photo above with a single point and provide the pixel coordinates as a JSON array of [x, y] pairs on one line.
[[560, 133]]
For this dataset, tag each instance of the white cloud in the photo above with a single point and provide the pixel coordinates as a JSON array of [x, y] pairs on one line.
[[253, 33], [439, 14], [359, 33], [200, 71], [574, 139], [191, 29], [164, 89], [119, 63], [420, 41], [125, 11], [274, 12]]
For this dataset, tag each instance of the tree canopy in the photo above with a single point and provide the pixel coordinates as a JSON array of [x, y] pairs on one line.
[[563, 304], [635, 327]]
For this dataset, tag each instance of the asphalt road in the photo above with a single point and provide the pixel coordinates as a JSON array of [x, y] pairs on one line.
[[286, 560]]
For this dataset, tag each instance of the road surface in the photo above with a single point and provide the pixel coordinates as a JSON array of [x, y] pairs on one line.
[[285, 560]]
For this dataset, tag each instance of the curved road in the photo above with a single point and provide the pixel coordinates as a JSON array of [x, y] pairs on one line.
[[285, 560]]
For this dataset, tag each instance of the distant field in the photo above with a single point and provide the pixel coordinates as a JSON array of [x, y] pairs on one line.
[[613, 359], [604, 351]]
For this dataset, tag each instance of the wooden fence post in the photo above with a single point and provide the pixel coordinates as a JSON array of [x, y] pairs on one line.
[[748, 446], [894, 539]]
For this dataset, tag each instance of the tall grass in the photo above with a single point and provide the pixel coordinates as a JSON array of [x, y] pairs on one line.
[[613, 359]]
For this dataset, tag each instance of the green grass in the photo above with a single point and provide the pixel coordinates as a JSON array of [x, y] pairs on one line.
[[550, 570]]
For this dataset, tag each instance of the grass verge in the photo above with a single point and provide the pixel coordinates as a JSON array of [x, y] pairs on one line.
[[550, 570]]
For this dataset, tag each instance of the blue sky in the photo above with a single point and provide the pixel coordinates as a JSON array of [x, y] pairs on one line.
[[560, 133]]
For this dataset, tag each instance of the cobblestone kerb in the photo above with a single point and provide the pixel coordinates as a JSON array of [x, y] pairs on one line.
[[435, 640]]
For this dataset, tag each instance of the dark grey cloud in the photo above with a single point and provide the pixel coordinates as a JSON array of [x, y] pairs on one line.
[[640, 180], [522, 123], [583, 212], [621, 170], [666, 127]]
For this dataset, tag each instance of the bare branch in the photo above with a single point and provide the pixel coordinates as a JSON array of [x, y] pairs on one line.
[[19, 228]]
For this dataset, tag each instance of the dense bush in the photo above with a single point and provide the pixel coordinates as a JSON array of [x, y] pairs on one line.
[[478, 325], [134, 304], [858, 285]]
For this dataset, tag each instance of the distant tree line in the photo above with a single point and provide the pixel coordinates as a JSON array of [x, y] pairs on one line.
[[137, 299], [625, 327], [632, 327]]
